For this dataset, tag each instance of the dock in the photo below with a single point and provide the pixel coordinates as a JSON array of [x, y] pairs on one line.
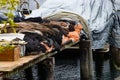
[[8, 68]]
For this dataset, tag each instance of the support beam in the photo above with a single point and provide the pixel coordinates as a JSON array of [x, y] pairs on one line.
[[115, 57], [28, 74], [99, 63], [46, 69], [86, 60], [1, 78]]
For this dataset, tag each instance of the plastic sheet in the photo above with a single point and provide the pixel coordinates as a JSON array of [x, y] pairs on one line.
[[97, 13]]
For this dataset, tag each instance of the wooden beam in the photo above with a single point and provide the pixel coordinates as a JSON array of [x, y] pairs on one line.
[[46, 69], [115, 57], [86, 60], [1, 77], [28, 74]]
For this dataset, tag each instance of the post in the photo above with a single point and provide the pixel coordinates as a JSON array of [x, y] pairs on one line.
[[46, 69], [115, 57], [28, 74], [1, 78], [99, 61], [86, 60]]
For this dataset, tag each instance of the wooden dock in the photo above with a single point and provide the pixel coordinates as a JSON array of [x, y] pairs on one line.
[[8, 68]]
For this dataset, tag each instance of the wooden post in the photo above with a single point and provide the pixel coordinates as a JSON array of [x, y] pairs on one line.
[[46, 69], [28, 74], [111, 62], [115, 57], [86, 60], [99, 61], [1, 78]]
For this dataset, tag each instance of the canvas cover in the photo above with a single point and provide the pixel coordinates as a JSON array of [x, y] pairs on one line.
[[100, 15]]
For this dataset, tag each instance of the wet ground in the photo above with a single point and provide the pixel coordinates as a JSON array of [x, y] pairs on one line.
[[67, 67]]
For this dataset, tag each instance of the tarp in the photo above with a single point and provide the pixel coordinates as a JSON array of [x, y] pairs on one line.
[[97, 13]]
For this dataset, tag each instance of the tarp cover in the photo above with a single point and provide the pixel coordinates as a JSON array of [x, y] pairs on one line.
[[101, 16]]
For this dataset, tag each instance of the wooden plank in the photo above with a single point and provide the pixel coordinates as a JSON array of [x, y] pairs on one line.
[[7, 66]]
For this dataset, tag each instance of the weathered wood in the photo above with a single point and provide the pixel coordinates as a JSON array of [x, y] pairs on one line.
[[46, 69], [8, 66], [86, 62], [99, 62], [115, 57], [1, 78], [10, 54], [28, 74]]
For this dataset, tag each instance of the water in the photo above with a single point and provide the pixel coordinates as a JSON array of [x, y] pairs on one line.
[[67, 67]]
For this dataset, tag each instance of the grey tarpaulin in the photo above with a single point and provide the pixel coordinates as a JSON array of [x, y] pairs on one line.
[[107, 27], [114, 38]]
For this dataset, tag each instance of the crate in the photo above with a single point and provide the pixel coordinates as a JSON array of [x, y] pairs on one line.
[[10, 54]]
